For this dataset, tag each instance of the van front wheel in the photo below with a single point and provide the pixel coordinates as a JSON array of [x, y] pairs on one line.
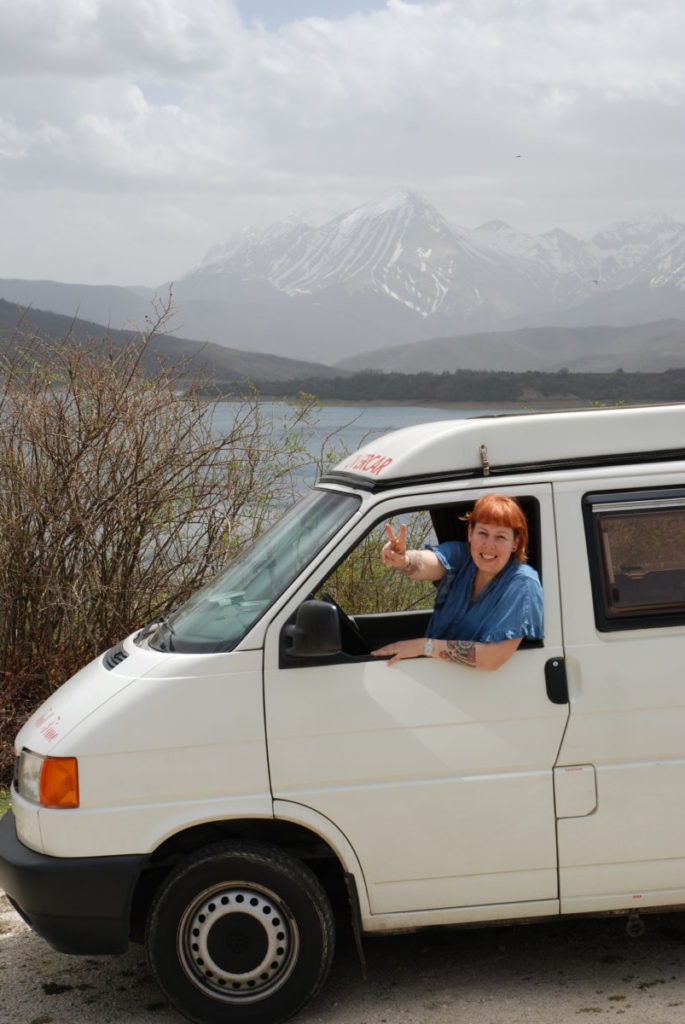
[[240, 932]]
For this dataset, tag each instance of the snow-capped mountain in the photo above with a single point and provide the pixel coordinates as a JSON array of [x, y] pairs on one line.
[[441, 278], [650, 254], [400, 249], [400, 246], [560, 265]]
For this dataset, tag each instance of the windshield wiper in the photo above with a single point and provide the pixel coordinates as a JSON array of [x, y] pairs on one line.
[[153, 627]]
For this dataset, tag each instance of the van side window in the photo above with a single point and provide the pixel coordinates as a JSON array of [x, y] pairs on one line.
[[363, 585], [377, 606], [636, 544]]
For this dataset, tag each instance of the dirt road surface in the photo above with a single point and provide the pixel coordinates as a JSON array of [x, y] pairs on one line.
[[581, 971]]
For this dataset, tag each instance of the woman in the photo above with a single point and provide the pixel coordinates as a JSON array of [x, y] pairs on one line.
[[487, 599]]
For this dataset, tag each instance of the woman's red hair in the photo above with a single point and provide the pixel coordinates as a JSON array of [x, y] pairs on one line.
[[501, 510]]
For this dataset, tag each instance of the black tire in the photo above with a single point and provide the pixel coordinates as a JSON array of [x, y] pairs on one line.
[[242, 933]]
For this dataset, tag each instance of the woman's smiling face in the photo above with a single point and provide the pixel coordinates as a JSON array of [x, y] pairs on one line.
[[491, 546]]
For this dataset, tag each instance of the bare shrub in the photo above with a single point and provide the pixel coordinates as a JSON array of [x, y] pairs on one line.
[[117, 501]]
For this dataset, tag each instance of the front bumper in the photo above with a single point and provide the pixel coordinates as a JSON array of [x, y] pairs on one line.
[[79, 905]]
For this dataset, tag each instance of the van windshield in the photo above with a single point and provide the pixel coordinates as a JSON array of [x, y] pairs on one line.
[[221, 612]]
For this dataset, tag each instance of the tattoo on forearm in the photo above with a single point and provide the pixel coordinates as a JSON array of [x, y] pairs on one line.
[[461, 651]]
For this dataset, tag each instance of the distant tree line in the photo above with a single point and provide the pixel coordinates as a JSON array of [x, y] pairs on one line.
[[486, 386]]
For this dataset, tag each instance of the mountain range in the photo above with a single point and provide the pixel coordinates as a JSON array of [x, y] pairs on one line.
[[396, 273]]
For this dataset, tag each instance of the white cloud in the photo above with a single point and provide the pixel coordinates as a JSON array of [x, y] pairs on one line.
[[90, 38], [542, 112]]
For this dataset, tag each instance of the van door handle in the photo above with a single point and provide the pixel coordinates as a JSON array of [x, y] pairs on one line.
[[555, 681]]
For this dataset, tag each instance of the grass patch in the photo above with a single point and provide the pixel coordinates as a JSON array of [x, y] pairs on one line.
[[4, 800]]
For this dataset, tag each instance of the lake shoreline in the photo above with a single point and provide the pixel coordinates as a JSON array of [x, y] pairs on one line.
[[538, 405]]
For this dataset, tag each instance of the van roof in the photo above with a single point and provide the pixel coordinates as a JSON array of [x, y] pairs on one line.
[[492, 445]]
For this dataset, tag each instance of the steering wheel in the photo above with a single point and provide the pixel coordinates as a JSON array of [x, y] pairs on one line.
[[353, 641]]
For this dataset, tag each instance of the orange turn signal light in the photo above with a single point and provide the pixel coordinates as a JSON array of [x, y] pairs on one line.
[[59, 782]]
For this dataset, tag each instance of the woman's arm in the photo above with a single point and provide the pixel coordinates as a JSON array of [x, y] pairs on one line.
[[488, 656], [417, 565]]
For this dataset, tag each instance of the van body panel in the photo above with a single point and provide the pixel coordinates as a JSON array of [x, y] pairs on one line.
[[91, 687], [437, 775], [300, 814], [164, 752], [624, 899], [492, 913], [27, 822], [143, 828], [575, 790], [431, 760], [627, 720]]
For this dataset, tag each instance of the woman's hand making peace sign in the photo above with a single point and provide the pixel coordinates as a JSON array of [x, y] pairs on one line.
[[395, 551]]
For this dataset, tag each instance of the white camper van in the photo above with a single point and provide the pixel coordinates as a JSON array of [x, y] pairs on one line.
[[215, 780]]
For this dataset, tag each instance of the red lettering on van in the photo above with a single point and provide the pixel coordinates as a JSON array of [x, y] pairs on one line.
[[47, 723], [369, 463]]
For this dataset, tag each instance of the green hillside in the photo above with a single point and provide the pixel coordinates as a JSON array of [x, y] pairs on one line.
[[19, 325], [640, 348]]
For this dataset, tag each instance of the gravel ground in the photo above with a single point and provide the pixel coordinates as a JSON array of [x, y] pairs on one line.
[[539, 974]]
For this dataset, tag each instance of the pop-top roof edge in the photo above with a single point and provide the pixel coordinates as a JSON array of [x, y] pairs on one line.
[[495, 445]]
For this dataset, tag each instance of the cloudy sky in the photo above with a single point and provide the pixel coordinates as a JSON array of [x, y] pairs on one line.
[[135, 134]]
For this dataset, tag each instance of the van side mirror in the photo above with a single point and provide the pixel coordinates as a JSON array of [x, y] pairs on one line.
[[315, 632]]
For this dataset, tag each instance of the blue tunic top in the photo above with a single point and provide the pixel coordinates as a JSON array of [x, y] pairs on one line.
[[509, 606]]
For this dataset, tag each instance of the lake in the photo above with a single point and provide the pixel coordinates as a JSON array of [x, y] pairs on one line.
[[349, 426], [353, 424]]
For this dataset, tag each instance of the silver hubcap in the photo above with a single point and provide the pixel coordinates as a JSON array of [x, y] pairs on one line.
[[238, 942]]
